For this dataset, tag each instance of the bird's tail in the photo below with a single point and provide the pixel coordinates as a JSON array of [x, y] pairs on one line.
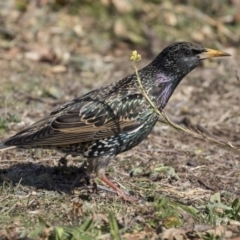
[[4, 147]]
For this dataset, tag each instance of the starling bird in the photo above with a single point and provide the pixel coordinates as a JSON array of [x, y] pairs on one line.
[[115, 118]]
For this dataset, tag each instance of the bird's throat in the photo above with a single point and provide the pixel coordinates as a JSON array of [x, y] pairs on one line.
[[162, 90]]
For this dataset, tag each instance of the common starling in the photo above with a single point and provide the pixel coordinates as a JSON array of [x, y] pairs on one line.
[[115, 118]]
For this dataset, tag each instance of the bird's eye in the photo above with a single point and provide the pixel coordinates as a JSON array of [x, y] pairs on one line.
[[187, 52]]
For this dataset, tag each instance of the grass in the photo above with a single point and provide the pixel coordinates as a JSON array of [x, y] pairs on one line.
[[106, 220]]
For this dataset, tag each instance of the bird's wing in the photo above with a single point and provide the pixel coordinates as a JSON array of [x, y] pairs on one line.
[[83, 121]]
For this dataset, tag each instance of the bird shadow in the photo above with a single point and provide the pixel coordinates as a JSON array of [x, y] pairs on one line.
[[38, 176]]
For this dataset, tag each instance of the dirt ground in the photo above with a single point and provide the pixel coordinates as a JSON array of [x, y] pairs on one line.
[[48, 57]]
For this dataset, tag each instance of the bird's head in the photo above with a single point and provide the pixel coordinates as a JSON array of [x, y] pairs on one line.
[[180, 58], [174, 63]]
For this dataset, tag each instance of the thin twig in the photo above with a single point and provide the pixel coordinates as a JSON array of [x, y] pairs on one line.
[[135, 59]]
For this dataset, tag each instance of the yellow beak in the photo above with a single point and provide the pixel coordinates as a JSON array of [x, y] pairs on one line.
[[210, 53]]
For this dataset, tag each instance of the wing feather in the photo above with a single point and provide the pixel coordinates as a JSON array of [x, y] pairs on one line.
[[83, 121]]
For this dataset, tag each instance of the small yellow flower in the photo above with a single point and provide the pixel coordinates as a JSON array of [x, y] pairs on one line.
[[135, 57]]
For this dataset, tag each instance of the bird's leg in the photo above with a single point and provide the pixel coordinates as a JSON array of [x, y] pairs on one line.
[[83, 173], [99, 165], [117, 189]]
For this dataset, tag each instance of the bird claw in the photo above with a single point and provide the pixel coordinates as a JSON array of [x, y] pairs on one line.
[[127, 197], [121, 193]]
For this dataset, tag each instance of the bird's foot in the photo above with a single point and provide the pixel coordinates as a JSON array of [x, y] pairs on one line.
[[125, 196], [81, 175], [120, 192]]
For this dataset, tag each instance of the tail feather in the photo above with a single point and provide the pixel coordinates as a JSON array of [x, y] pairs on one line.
[[4, 147]]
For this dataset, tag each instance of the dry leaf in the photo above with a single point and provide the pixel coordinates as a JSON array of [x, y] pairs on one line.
[[174, 234], [122, 6], [59, 69], [220, 231]]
